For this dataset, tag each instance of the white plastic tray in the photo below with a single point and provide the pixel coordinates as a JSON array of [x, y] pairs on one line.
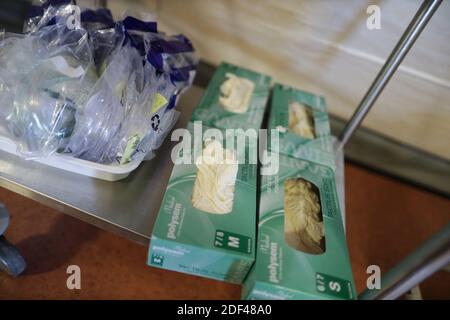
[[113, 172]]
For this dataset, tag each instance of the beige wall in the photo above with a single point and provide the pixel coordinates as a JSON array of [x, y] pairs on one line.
[[324, 46]]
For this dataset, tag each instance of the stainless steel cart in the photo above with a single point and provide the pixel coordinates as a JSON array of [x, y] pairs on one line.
[[129, 207]]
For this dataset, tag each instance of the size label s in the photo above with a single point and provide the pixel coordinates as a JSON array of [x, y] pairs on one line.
[[333, 286]]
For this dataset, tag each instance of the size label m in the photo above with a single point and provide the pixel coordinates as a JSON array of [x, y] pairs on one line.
[[232, 241]]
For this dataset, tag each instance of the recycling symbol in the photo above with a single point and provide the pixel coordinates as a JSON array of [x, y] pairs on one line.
[[156, 122]]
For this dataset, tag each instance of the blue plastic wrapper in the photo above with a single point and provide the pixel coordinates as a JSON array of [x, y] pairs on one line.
[[79, 83]]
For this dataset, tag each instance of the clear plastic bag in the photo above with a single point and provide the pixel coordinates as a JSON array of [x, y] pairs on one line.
[[99, 121], [7, 81], [143, 115], [50, 73], [101, 91], [173, 55], [134, 114]]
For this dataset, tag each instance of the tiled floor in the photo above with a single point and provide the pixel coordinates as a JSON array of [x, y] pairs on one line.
[[386, 219]]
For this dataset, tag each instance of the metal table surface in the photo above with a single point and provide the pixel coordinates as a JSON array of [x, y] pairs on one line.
[[127, 207]]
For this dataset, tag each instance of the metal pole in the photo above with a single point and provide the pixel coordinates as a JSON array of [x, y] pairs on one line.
[[11, 261], [431, 256], [4, 218], [405, 43]]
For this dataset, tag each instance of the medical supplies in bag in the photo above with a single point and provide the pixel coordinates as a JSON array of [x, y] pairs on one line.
[[95, 89]]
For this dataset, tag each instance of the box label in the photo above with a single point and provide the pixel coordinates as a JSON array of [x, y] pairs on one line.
[[333, 286], [233, 241], [157, 259]]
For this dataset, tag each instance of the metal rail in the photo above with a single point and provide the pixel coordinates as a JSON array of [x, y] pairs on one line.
[[412, 32], [434, 254], [431, 256], [11, 261]]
